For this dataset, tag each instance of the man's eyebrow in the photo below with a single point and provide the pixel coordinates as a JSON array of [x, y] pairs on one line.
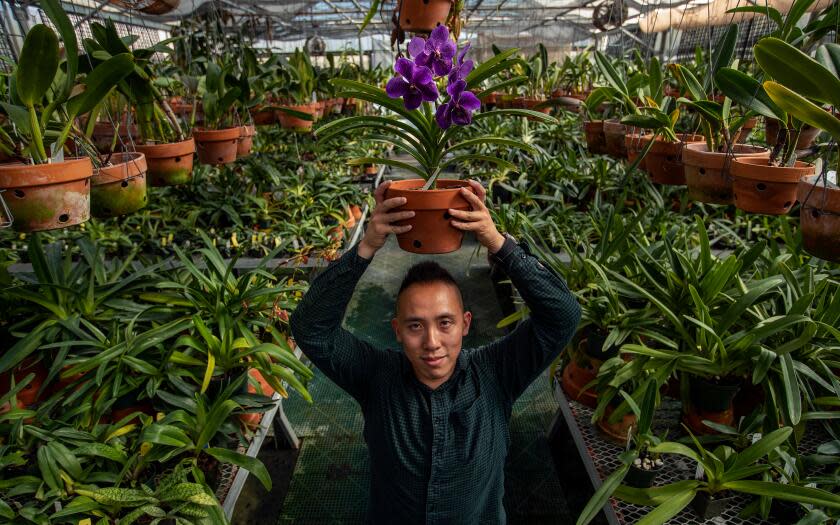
[[445, 315]]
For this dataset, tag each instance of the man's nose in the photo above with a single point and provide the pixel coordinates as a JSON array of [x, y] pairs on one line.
[[432, 339]]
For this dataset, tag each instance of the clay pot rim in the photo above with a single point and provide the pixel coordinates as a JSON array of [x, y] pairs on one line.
[[124, 169], [417, 184], [762, 172], [15, 174], [213, 135], [166, 150], [248, 130], [813, 193], [698, 154]]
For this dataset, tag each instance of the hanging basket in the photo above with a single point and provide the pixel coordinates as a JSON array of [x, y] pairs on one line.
[[217, 146], [169, 164], [47, 196], [120, 187], [761, 188], [664, 160], [819, 217], [614, 133], [6, 218], [596, 141], [246, 141], [707, 172], [150, 7]]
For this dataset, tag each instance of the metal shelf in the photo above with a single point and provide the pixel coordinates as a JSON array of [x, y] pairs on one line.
[[601, 457]]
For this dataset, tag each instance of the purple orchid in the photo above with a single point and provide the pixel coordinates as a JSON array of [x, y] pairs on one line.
[[437, 52], [461, 68], [413, 82], [459, 109]]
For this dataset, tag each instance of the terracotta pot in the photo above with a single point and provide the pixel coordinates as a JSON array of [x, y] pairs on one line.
[[371, 169], [760, 188], [264, 117], [633, 146], [421, 16], [103, 136], [47, 196], [745, 130], [575, 378], [748, 398], [298, 124], [596, 142], [490, 100], [169, 164], [531, 103], [806, 137], [216, 146], [617, 432], [707, 173], [693, 419], [819, 217], [28, 395], [431, 231], [614, 132], [246, 141], [151, 7], [713, 395], [570, 104], [120, 187], [664, 160], [356, 211]]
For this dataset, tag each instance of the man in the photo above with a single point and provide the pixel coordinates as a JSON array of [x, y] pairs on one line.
[[436, 416]]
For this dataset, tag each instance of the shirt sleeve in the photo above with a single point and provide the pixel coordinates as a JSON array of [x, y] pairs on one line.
[[521, 356], [316, 326]]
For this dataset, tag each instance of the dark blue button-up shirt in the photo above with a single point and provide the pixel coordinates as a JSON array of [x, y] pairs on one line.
[[437, 456]]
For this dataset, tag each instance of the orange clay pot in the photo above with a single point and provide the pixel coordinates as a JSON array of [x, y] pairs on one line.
[[819, 218], [169, 164], [619, 431], [664, 160], [760, 188], [217, 146], [693, 419], [596, 141], [431, 231], [575, 379], [120, 187], [296, 123], [707, 173], [246, 141], [614, 132], [421, 16]]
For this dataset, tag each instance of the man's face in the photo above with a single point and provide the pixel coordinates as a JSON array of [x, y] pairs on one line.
[[430, 324]]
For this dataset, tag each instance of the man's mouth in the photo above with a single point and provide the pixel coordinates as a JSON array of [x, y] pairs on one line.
[[433, 361]]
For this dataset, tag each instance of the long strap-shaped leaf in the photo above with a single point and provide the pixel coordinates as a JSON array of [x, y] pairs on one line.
[[388, 162], [352, 88]]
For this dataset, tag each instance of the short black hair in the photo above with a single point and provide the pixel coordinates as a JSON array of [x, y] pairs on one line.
[[428, 272]]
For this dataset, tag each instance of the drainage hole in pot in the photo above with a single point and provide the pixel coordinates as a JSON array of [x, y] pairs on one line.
[[19, 194], [144, 198], [417, 244], [761, 186], [669, 158], [408, 21], [177, 159], [124, 184], [63, 217], [702, 171], [221, 159], [815, 213], [446, 215]]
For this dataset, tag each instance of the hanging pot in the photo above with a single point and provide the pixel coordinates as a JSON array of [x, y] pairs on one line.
[[614, 132], [760, 188], [707, 172], [633, 148], [246, 141], [664, 160], [103, 136], [169, 164], [431, 231], [47, 196], [745, 130], [421, 16], [575, 379], [263, 116], [120, 187], [296, 123], [216, 146], [806, 137], [596, 141], [150, 7], [819, 217]]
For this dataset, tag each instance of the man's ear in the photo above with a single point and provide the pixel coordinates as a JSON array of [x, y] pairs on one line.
[[395, 325], [467, 321]]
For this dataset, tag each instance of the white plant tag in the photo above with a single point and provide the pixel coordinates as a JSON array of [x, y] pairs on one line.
[[832, 177], [755, 438], [699, 473]]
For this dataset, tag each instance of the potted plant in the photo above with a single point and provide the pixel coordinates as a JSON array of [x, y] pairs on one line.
[[300, 115], [420, 16], [160, 137], [43, 190], [427, 132], [799, 96], [218, 141], [118, 186]]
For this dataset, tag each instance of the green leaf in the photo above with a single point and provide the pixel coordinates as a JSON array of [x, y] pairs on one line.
[[58, 16], [762, 447], [723, 55], [517, 113], [602, 495], [252, 465], [374, 7], [668, 509], [787, 492], [796, 71], [37, 64], [803, 109], [99, 82]]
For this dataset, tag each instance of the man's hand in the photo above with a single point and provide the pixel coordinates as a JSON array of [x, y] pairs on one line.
[[381, 222], [478, 220]]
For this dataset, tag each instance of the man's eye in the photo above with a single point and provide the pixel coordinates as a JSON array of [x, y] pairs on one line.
[[414, 326], [446, 322]]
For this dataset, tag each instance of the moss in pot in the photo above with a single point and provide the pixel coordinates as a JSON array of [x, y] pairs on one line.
[[428, 131]]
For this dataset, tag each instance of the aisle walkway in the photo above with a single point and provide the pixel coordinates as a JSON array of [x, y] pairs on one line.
[[330, 482]]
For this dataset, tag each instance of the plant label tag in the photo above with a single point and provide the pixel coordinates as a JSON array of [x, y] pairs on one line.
[[832, 177], [699, 473], [755, 437], [57, 156]]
